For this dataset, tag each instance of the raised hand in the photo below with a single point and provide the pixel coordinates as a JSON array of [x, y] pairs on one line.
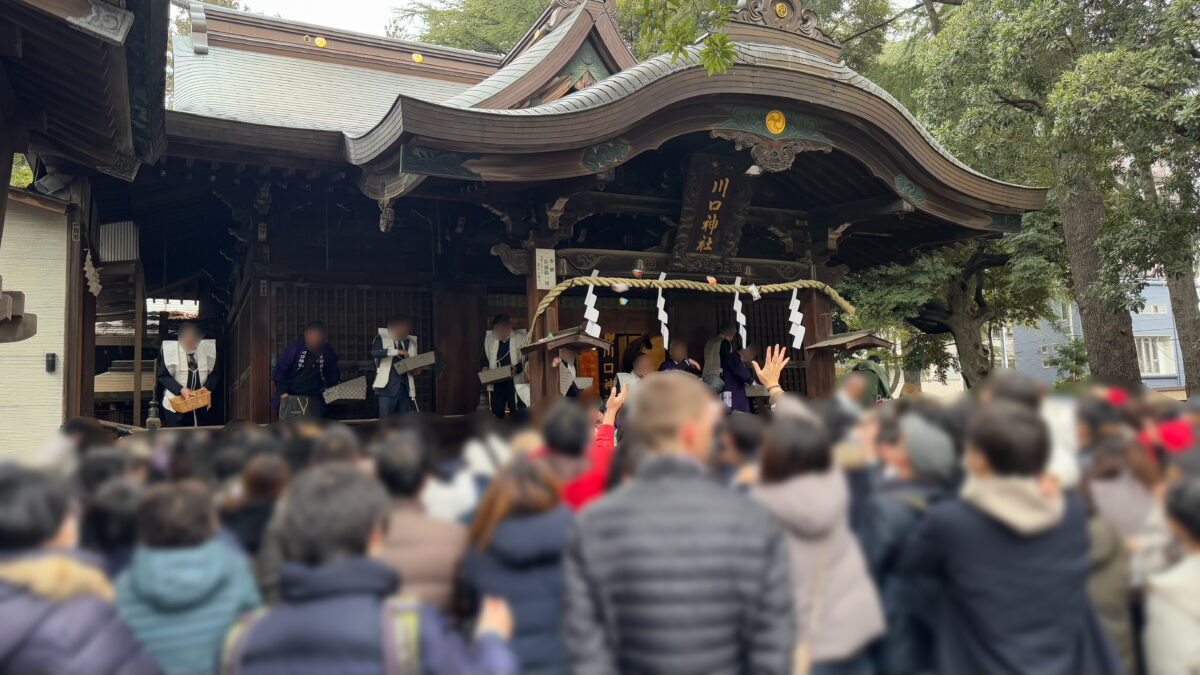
[[773, 364], [615, 401]]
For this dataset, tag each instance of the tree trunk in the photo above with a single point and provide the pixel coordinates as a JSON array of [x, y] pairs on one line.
[[973, 358], [1185, 307], [1107, 334]]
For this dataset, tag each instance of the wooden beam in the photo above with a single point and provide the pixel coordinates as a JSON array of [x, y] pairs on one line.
[[93, 17], [34, 199]]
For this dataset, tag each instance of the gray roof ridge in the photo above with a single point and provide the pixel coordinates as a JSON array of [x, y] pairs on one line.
[[518, 67], [345, 31]]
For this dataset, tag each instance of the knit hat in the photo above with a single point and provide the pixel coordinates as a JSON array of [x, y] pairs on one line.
[[930, 450]]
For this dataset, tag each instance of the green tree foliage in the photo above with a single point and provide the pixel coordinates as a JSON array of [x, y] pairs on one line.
[[480, 25], [1029, 89], [1070, 360], [22, 174], [955, 292]]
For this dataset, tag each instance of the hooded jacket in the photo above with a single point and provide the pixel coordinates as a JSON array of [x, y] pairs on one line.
[[523, 564], [673, 573], [1013, 564], [426, 551], [814, 511], [329, 620], [179, 602], [56, 616], [892, 514], [1173, 620]]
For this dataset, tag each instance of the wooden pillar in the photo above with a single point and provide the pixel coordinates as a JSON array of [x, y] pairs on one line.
[[260, 351], [139, 336], [87, 353], [542, 371], [459, 322], [818, 325]]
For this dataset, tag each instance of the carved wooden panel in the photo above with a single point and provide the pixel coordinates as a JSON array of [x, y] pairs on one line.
[[715, 199]]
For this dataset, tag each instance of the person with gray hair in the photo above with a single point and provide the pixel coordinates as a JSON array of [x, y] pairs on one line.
[[918, 464]]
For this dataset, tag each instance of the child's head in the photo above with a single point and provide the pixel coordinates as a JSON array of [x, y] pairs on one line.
[[401, 463], [110, 520], [337, 443], [1007, 439], [914, 449], [34, 511], [100, 466], [741, 439], [1183, 509], [1012, 387], [334, 512], [229, 463], [176, 515], [567, 429], [265, 477], [1095, 420], [794, 446]]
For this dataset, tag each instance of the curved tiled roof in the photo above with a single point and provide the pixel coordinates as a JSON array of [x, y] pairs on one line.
[[624, 83], [285, 91]]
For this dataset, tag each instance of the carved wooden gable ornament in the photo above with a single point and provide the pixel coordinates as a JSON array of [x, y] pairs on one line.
[[784, 22]]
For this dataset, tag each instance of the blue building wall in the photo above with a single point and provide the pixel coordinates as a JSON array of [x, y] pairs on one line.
[[1154, 324]]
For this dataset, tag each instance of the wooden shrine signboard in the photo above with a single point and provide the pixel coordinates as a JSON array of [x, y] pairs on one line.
[[715, 199]]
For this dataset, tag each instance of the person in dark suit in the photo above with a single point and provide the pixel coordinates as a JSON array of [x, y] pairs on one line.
[[395, 392]]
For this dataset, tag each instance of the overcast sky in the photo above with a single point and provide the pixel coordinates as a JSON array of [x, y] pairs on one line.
[[364, 16]]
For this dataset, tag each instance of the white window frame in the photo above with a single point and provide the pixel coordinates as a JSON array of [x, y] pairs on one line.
[[1156, 355]]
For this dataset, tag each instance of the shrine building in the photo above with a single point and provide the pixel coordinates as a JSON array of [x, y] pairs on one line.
[[295, 172]]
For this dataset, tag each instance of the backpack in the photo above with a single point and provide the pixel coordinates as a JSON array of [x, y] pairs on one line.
[[400, 617]]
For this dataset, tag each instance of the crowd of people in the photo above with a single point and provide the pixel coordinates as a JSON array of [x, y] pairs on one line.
[[915, 536]]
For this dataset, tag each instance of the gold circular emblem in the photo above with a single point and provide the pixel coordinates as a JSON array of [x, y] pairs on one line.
[[781, 10], [776, 122], [418, 58], [320, 42]]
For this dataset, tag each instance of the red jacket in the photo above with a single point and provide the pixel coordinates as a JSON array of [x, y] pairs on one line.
[[589, 485]]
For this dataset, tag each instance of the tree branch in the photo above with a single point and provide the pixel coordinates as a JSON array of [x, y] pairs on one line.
[[884, 23], [1025, 104]]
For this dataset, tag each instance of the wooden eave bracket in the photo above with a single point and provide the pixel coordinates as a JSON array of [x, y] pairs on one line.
[[97, 18]]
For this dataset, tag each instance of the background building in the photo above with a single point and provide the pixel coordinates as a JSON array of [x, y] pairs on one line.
[[1157, 341]]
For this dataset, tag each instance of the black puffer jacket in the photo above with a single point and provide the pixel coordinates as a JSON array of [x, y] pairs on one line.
[[675, 574], [56, 616]]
